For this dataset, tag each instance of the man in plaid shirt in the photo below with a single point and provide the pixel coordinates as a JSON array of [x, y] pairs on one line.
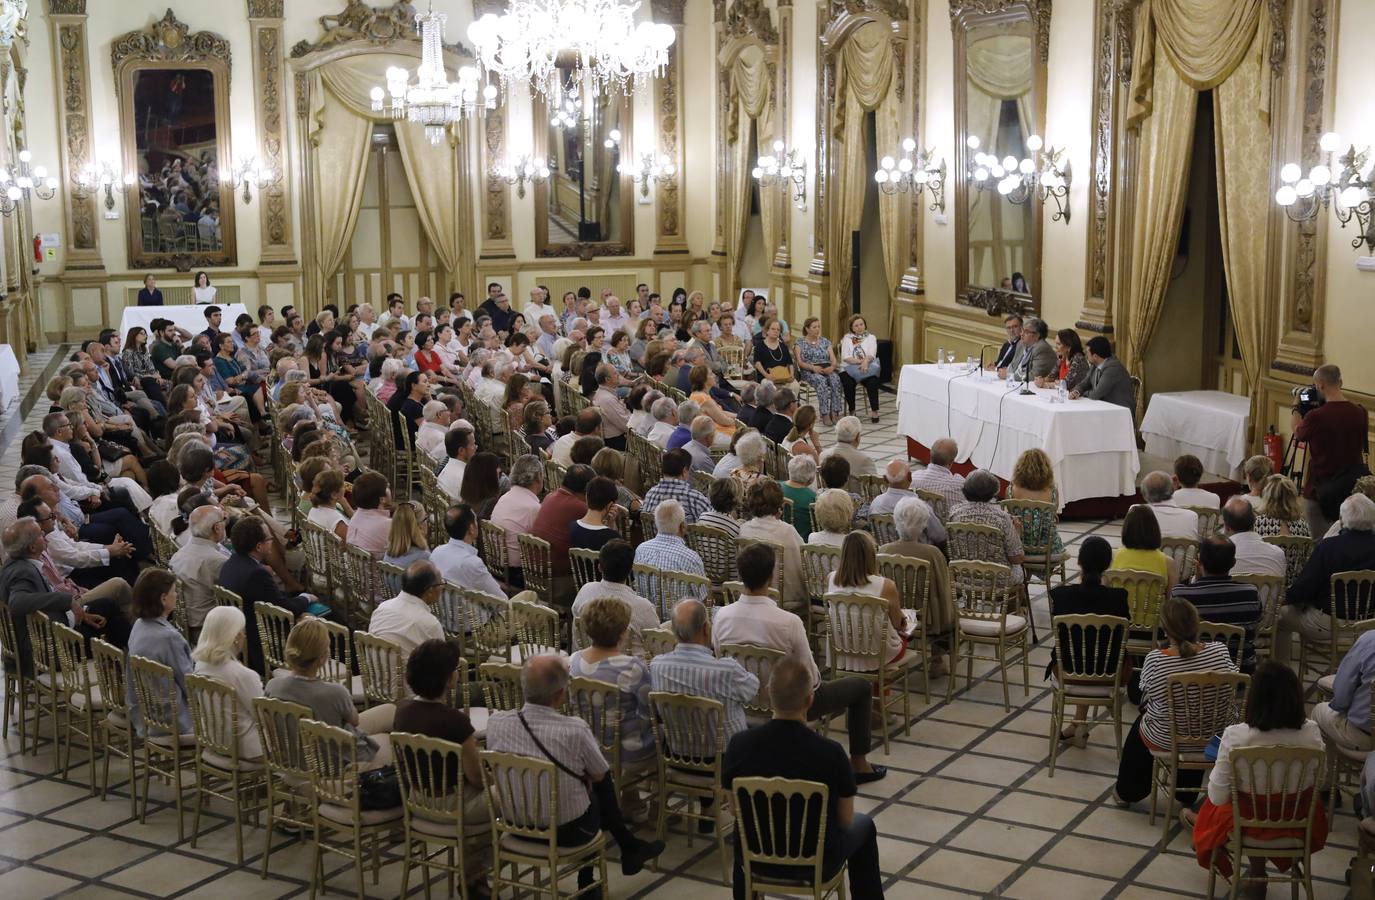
[[674, 486]]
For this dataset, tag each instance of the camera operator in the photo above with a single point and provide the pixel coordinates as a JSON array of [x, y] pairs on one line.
[[1335, 432]]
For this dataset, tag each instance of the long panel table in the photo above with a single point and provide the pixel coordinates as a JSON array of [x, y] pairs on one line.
[[191, 318], [1091, 444]]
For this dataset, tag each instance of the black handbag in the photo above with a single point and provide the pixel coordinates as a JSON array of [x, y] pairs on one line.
[[379, 789]]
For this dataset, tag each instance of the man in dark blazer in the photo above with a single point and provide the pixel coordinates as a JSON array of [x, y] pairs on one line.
[[1107, 380], [244, 574], [1008, 352], [784, 408]]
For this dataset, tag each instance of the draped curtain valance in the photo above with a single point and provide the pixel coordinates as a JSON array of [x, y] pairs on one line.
[[750, 90], [1001, 65], [864, 72]]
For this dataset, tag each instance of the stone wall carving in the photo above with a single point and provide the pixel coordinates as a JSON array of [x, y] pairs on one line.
[[266, 9], [496, 217], [380, 26], [1313, 100], [76, 128], [170, 40], [269, 92], [669, 104]]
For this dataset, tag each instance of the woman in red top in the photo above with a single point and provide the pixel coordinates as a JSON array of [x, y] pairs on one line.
[[426, 359], [1072, 365]]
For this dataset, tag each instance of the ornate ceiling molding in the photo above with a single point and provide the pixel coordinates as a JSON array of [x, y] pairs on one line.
[[894, 9], [997, 302], [169, 40], [378, 26], [266, 9], [66, 7], [751, 17]]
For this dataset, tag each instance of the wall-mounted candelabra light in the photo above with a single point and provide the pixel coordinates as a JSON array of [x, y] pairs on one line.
[[648, 171], [916, 171], [1346, 183], [245, 175], [24, 183], [786, 169], [100, 177], [1045, 173], [522, 170]]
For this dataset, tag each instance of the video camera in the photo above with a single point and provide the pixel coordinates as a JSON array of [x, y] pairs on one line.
[[1307, 399]]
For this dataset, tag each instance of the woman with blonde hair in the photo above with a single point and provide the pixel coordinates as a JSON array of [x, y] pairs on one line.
[[1033, 478], [84, 421], [307, 652], [857, 573], [217, 652], [1280, 510], [702, 379], [802, 439], [831, 517]]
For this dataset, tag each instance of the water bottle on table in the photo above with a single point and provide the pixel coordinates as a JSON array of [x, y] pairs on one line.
[[940, 357]]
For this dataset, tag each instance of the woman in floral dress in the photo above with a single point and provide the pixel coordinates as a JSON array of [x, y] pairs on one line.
[[818, 368]]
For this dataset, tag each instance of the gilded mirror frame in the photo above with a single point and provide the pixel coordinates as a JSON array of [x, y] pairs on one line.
[[165, 45], [966, 15], [623, 246]]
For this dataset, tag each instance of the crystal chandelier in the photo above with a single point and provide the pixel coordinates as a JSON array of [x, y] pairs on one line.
[[612, 51], [432, 100]]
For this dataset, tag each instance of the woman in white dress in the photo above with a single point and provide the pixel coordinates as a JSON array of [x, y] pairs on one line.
[[204, 293], [858, 574]]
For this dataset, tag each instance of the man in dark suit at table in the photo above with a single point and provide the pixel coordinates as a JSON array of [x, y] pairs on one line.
[[244, 574], [1107, 380], [1008, 352], [1036, 358]]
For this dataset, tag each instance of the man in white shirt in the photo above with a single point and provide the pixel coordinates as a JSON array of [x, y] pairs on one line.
[[847, 447], [460, 446], [615, 417], [198, 563], [367, 321], [537, 307], [938, 478], [756, 619], [617, 560], [614, 318], [430, 436], [492, 388], [1175, 522], [396, 312], [1254, 556], [406, 619], [1188, 472], [458, 561], [588, 422], [665, 413], [547, 342]]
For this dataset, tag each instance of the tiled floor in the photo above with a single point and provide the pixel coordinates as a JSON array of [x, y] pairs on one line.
[[968, 808]]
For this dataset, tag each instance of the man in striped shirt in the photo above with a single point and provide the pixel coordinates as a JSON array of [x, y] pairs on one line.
[[538, 730], [674, 486], [1218, 598], [692, 668]]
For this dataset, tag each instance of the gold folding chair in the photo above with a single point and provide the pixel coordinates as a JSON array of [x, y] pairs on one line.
[[225, 597], [883, 528], [598, 703], [857, 644], [586, 565], [85, 704], [984, 599], [537, 563], [383, 667], [1090, 659], [936, 502], [1233, 637], [657, 641], [434, 810], [691, 733], [819, 563], [1270, 588], [535, 628], [1039, 521], [759, 662], [287, 775], [274, 624], [47, 680], [1353, 602], [501, 686], [773, 842], [1184, 552], [717, 549], [1209, 520], [220, 771], [1296, 552], [18, 687], [495, 551], [166, 752], [1344, 765], [912, 577], [1145, 597], [117, 733]]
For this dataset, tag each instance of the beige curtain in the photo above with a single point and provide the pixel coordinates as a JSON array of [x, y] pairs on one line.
[[888, 137], [1162, 181], [1203, 40], [749, 103], [1000, 66], [432, 173], [1243, 166], [339, 143]]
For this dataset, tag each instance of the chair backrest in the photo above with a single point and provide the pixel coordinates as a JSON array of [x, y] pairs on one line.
[[525, 796], [1275, 788], [1353, 596], [664, 587], [700, 480], [657, 640], [717, 549], [691, 732], [535, 628], [1038, 524], [1090, 649], [71, 658], [819, 562], [586, 565], [279, 724], [1271, 591], [331, 758], [225, 597], [781, 822], [214, 715], [1202, 704], [340, 666], [426, 768], [1296, 553], [450, 613], [317, 556], [598, 703], [858, 631], [983, 590], [436, 504], [1145, 594], [42, 649], [1184, 552], [936, 502], [391, 576], [981, 543], [537, 561], [1209, 520], [1231, 636], [109, 670], [158, 697], [380, 663], [494, 550], [883, 528], [553, 476], [648, 527], [912, 577], [501, 685], [758, 661], [868, 486], [9, 639], [363, 586], [274, 624], [493, 636]]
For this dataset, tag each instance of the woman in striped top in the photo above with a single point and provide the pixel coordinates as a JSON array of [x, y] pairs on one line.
[[1179, 619]]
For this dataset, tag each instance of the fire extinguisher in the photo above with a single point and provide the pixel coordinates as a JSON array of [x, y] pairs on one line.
[[1274, 448], [37, 248]]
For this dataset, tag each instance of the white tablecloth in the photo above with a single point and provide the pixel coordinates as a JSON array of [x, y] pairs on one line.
[[1209, 424], [1090, 443], [9, 376], [192, 318]]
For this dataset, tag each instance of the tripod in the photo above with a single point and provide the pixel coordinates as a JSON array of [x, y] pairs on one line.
[[1295, 459]]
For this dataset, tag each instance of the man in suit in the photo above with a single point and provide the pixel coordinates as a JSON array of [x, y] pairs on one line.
[[1107, 380], [244, 574], [1036, 358], [1008, 352], [785, 408]]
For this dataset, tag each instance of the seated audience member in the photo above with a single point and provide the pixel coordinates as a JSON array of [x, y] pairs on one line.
[[1188, 472], [1364, 485], [699, 448], [371, 522], [848, 431], [798, 489], [1308, 602], [752, 451], [1274, 717], [898, 474], [1345, 719], [1089, 597], [980, 507], [607, 622], [693, 668], [163, 483], [756, 619], [246, 574], [1280, 510], [537, 426], [615, 417], [1218, 598], [461, 445], [432, 673], [587, 423], [667, 550], [857, 573], [610, 463], [457, 560], [483, 483], [325, 496], [731, 461], [724, 496], [832, 514], [616, 560], [1107, 379], [430, 436], [665, 414], [1254, 555], [834, 474], [154, 637], [307, 652], [515, 510], [910, 517], [1151, 730], [406, 538], [764, 510], [687, 411], [787, 747], [1140, 550], [674, 485], [640, 420], [784, 409], [221, 640], [1033, 478], [938, 478], [554, 523], [83, 562], [748, 406], [199, 562], [1255, 470], [408, 619], [587, 796], [1157, 489], [584, 449], [597, 526]]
